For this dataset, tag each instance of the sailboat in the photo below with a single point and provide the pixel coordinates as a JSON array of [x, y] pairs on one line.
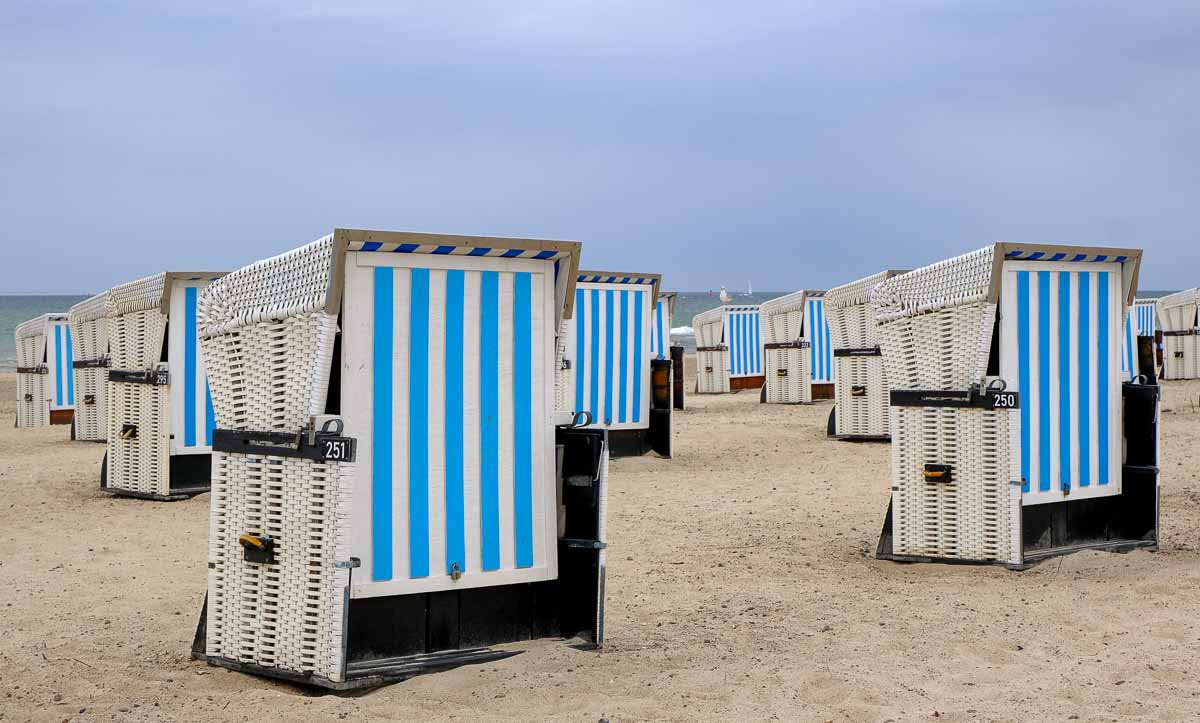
[[749, 288]]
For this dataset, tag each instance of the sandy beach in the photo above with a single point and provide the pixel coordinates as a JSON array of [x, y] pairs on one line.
[[741, 586]]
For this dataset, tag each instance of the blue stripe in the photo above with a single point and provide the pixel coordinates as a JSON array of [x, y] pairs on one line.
[[736, 348], [512, 253], [70, 370], [1085, 379], [1079, 257], [444, 250], [810, 320], [210, 422], [489, 423], [1064, 380], [579, 328], [418, 425], [371, 246], [58, 370], [826, 347], [637, 356], [481, 251], [1023, 353], [189, 367], [658, 329], [1129, 346], [407, 248], [381, 427], [1043, 278], [623, 398], [1102, 363], [1036, 255], [608, 356], [544, 254], [455, 536], [523, 419], [758, 348], [594, 407], [1057, 257]]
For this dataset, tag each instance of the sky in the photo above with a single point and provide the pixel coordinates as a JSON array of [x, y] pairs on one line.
[[789, 144]]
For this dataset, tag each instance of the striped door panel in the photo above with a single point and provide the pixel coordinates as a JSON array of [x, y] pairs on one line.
[[1144, 311], [611, 358], [447, 385], [816, 331], [660, 331], [60, 360], [743, 336], [192, 418], [1062, 348]]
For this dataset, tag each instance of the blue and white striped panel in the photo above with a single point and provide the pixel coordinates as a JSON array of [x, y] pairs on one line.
[[1144, 311], [743, 336], [192, 418], [60, 360], [816, 332], [611, 355], [452, 250], [660, 331], [1062, 328], [447, 384], [1129, 347]]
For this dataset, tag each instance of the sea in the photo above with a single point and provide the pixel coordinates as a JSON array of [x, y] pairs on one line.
[[17, 309]]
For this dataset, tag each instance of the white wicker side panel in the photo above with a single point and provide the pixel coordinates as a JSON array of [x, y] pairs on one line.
[[33, 408], [712, 372], [142, 463], [862, 396], [290, 614], [272, 375], [91, 417], [970, 517], [788, 377], [33, 404], [563, 389], [136, 339], [946, 349], [1181, 357]]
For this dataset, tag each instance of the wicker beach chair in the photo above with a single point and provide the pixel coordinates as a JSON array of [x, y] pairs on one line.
[[393, 490], [611, 371], [89, 339], [160, 414], [45, 372], [861, 410], [1015, 433]]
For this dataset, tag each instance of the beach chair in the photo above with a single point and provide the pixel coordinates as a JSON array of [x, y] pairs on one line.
[[160, 416], [393, 491], [1180, 334], [89, 345], [1015, 433], [796, 347], [45, 377], [728, 349], [861, 409], [612, 371]]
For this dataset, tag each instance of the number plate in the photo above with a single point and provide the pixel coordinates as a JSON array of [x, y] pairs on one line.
[[1003, 400], [335, 449]]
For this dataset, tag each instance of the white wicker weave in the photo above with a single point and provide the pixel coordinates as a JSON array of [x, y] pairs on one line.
[[33, 405], [89, 333], [712, 365], [788, 370], [861, 383]]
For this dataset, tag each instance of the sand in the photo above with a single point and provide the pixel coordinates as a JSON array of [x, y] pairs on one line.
[[741, 585]]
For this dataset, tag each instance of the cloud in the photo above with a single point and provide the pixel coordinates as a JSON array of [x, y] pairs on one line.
[[795, 144]]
